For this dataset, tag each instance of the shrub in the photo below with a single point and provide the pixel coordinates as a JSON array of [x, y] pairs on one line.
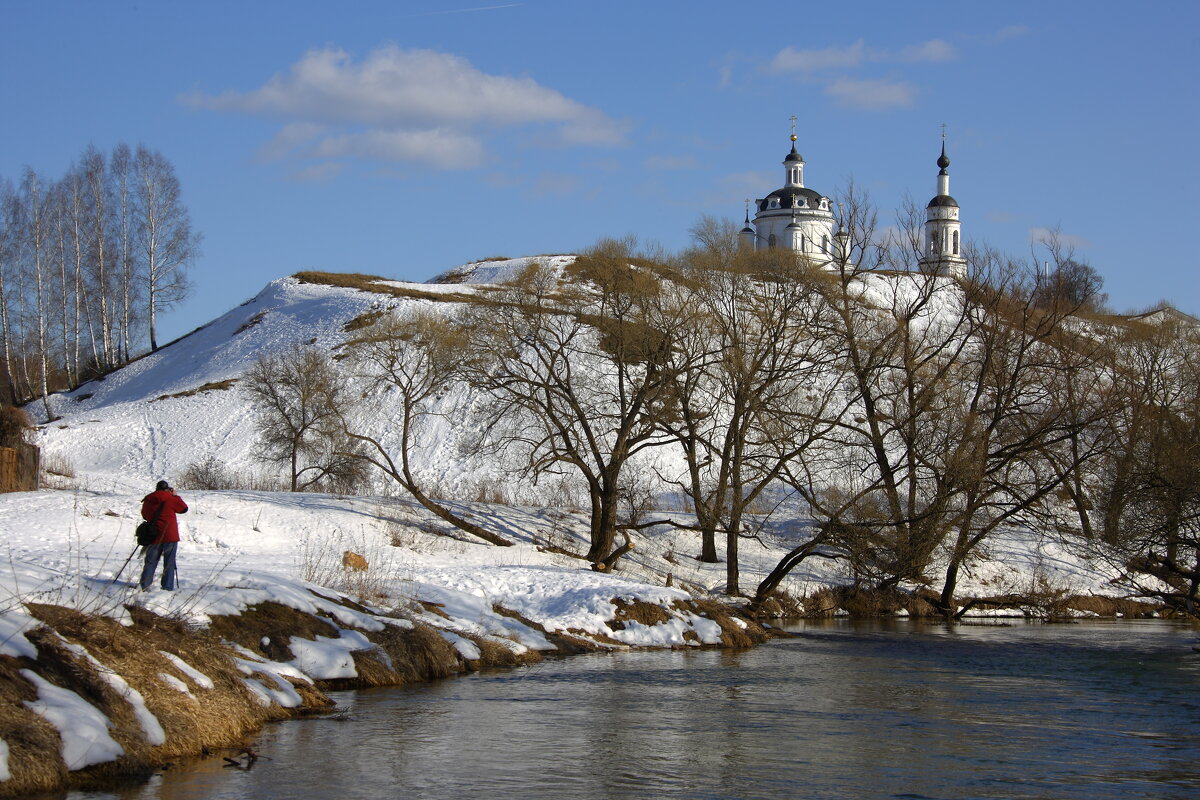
[[13, 424]]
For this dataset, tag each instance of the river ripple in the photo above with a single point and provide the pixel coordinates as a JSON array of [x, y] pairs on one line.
[[843, 710]]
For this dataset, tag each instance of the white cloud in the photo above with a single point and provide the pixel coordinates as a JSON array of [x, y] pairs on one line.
[[437, 147], [831, 65], [933, 50], [855, 55], [555, 183], [871, 95], [1037, 235], [289, 138], [398, 104], [392, 86], [790, 59]]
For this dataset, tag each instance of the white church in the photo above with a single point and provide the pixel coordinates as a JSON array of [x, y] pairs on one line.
[[802, 220]]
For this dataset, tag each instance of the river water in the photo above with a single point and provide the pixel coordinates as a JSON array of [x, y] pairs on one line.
[[846, 710]]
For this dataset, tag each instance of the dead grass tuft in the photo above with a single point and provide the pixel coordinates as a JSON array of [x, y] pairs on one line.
[[376, 285], [637, 611], [1111, 606], [250, 323], [29, 737], [214, 386], [416, 654], [567, 643], [737, 629], [364, 320], [267, 629], [781, 604]]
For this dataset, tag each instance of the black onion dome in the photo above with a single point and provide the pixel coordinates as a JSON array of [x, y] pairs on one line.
[[793, 156], [788, 198], [943, 200], [942, 161]]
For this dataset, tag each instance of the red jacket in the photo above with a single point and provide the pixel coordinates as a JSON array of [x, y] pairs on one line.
[[171, 504]]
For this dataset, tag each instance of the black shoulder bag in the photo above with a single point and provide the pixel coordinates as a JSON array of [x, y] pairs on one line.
[[147, 531]]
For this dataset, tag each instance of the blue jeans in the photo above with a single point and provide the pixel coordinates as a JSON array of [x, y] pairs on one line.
[[165, 551]]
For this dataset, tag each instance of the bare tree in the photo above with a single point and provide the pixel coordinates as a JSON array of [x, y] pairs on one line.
[[163, 231], [121, 171], [413, 360], [9, 233], [37, 230], [579, 375], [100, 257], [749, 355], [1014, 443], [1143, 508], [1066, 281], [300, 399], [951, 407]]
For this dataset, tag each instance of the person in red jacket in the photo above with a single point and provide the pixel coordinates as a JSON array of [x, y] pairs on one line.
[[161, 506]]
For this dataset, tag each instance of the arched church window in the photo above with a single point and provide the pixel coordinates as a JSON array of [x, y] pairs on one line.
[[825, 244], [956, 243], [771, 241]]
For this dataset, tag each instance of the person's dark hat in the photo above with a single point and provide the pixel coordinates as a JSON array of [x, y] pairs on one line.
[[162, 486]]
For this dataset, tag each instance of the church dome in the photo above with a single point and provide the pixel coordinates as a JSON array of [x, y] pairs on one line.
[[793, 157], [790, 197], [943, 200]]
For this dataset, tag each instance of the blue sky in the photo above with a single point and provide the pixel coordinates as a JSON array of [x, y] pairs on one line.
[[404, 138]]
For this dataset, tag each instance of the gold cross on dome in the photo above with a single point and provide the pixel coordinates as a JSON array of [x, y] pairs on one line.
[[793, 119]]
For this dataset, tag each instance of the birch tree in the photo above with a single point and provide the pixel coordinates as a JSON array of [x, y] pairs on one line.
[[163, 233]]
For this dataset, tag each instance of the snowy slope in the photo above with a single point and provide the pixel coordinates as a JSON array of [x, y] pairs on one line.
[[148, 421]]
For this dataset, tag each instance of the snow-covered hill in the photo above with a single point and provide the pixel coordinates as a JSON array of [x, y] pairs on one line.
[[183, 404]]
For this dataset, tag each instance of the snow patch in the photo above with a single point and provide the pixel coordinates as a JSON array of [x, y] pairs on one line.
[[81, 726], [13, 625], [176, 684], [151, 727], [197, 677], [325, 658]]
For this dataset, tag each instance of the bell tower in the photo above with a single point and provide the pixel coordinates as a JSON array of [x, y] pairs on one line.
[[943, 250]]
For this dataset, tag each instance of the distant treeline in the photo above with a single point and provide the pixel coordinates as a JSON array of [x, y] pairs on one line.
[[86, 263]]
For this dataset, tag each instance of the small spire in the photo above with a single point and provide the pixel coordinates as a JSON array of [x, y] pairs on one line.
[[942, 161]]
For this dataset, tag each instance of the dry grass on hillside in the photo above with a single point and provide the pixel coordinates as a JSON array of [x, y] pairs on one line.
[[213, 386], [377, 285]]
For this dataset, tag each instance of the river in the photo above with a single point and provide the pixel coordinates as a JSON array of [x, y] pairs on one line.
[[848, 710]]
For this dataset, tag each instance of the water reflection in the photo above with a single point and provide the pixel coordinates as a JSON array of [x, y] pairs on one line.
[[844, 710]]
